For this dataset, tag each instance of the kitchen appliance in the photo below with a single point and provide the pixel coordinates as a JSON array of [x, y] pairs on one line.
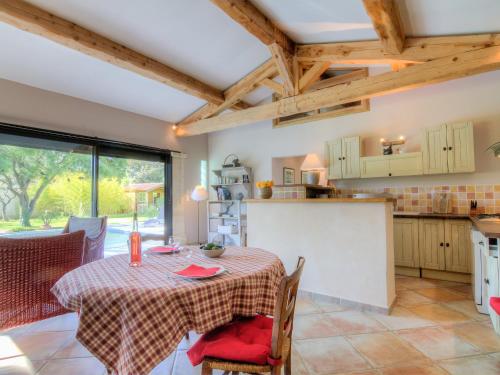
[[486, 268]]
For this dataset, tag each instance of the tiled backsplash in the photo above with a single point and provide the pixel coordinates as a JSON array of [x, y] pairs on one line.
[[289, 192], [419, 198]]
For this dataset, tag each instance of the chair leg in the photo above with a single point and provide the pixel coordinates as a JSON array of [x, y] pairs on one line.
[[288, 364], [276, 370], [187, 336], [205, 369]]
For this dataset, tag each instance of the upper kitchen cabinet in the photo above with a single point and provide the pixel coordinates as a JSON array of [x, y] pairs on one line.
[[343, 158], [449, 148], [409, 164]]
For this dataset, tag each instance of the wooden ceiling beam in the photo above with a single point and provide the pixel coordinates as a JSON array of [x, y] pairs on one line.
[[387, 23], [273, 85], [235, 93], [284, 64], [416, 50], [313, 74], [440, 70], [32, 19], [340, 79], [256, 23]]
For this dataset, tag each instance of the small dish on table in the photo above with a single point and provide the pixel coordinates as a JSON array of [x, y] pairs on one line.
[[212, 250]]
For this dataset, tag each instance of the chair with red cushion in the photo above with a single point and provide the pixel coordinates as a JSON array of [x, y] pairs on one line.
[[258, 344], [495, 304]]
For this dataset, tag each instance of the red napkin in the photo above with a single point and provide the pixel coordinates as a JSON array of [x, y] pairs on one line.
[[196, 271], [162, 249]]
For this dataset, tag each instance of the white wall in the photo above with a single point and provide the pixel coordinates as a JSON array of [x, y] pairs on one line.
[[29, 106], [474, 98]]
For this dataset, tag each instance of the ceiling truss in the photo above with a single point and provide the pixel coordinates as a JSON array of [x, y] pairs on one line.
[[302, 86]]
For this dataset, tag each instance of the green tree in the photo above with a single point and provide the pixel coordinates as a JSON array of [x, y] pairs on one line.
[[26, 172], [144, 171]]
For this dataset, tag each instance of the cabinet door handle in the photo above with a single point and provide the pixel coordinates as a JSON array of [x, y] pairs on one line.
[[450, 148], [447, 244], [340, 158], [481, 243], [441, 244], [343, 158], [487, 281], [444, 148], [390, 174]]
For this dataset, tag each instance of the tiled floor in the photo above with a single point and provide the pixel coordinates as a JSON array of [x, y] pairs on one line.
[[434, 329]]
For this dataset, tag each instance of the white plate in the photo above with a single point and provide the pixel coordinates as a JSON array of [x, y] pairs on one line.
[[221, 270]]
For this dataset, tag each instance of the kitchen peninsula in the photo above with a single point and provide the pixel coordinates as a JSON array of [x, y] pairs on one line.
[[348, 243]]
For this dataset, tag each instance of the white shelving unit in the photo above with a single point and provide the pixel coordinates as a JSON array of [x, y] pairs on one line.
[[226, 220]]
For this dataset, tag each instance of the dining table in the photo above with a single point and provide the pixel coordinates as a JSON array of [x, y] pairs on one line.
[[132, 318]]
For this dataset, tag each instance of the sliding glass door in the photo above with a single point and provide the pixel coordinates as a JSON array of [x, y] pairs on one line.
[[45, 177], [131, 182], [42, 183]]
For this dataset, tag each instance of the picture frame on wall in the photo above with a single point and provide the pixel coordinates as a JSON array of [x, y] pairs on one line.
[[288, 176]]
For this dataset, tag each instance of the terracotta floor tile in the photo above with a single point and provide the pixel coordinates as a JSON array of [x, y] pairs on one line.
[[439, 314], [298, 365], [364, 372], [72, 349], [330, 356], [166, 367], [313, 326], [20, 365], [401, 318], [437, 343], [80, 366], [386, 349], [477, 334], [413, 370], [330, 306], [305, 305], [65, 322], [8, 347], [353, 322], [465, 289], [416, 283], [467, 307], [407, 298], [42, 345], [478, 365], [441, 294]]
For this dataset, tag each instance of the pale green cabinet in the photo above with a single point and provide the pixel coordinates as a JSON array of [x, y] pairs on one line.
[[449, 148], [409, 164], [406, 253], [343, 158]]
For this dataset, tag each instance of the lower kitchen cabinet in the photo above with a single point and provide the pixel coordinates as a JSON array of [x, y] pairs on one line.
[[406, 242], [442, 245]]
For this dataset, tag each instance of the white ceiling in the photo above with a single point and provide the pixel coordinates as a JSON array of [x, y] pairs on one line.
[[195, 37]]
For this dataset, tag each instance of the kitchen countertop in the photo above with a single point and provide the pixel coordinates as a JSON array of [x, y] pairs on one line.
[[487, 228], [322, 200], [430, 215]]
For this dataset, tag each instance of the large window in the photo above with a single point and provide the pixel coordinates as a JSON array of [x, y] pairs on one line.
[[45, 177]]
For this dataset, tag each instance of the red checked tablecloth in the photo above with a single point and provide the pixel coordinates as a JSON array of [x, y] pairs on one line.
[[131, 319]]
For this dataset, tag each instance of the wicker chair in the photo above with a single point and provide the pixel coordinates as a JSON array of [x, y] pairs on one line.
[[29, 268], [281, 343], [94, 243]]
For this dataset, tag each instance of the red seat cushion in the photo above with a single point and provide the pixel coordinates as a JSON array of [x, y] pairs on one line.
[[495, 304], [246, 340]]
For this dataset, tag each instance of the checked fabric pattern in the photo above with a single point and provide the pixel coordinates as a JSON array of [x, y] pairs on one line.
[[131, 319]]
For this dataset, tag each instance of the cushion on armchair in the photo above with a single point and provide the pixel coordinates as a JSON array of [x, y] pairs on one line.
[[495, 304], [91, 225], [247, 340]]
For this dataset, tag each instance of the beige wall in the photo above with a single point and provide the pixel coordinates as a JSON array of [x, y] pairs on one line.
[[474, 98], [29, 106]]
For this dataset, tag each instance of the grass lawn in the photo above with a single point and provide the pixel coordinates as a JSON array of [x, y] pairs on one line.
[[59, 222]]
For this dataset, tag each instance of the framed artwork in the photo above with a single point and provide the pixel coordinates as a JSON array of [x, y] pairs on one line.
[[288, 176]]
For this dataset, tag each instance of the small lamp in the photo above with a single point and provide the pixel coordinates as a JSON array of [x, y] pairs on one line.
[[199, 194], [312, 166]]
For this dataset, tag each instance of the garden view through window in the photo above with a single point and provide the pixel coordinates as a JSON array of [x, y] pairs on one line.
[[43, 182]]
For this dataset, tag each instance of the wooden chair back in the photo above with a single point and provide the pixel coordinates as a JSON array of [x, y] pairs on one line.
[[284, 313]]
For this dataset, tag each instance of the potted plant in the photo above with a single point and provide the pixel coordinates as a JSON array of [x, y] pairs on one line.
[[265, 189]]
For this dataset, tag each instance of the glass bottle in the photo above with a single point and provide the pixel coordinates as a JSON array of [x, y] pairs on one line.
[[135, 244]]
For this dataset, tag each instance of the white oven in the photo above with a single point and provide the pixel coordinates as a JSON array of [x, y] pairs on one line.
[[486, 270]]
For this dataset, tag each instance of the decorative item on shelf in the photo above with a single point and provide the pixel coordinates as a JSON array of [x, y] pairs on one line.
[[246, 179], [288, 176], [311, 168], [387, 145], [234, 163], [265, 189], [199, 194], [495, 147], [223, 193]]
